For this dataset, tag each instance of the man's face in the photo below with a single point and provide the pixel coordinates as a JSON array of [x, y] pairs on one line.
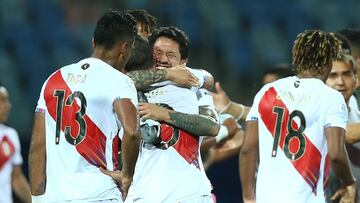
[[167, 53], [5, 105], [342, 78]]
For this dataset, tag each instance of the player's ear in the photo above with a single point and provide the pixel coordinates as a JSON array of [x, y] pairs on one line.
[[123, 47]]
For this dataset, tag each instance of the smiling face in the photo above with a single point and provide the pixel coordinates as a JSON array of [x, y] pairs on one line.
[[342, 78], [167, 53], [5, 105]]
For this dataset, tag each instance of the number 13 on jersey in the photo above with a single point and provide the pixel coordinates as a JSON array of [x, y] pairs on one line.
[[68, 109]]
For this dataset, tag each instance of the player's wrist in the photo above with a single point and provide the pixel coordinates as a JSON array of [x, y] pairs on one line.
[[226, 107], [222, 134]]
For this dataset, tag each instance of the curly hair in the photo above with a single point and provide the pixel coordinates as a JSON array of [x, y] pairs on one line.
[[314, 49]]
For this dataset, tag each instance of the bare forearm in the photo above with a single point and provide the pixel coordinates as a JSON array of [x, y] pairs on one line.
[[130, 151], [144, 78], [342, 170], [37, 169], [247, 168], [238, 111], [194, 124], [37, 156]]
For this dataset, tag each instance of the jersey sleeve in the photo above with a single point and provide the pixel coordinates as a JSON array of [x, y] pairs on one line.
[[125, 88], [337, 113], [17, 158], [200, 75], [254, 111], [41, 104]]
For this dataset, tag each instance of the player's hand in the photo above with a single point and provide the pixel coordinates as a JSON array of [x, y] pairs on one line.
[[347, 194], [152, 111], [221, 100], [232, 127], [182, 77], [122, 180]]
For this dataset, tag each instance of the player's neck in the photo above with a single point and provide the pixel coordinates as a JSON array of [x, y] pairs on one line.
[[311, 74], [108, 57]]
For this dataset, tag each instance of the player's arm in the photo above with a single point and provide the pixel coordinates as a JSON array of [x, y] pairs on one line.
[[208, 80], [339, 161], [228, 129], [37, 156], [128, 117], [20, 185], [179, 75], [224, 104], [127, 114], [194, 124], [352, 133], [248, 159]]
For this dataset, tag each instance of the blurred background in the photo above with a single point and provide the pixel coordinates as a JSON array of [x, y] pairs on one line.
[[235, 40]]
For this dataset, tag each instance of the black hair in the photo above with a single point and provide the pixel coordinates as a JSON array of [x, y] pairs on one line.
[[175, 34], [353, 35], [141, 56], [345, 43], [114, 26], [144, 17]]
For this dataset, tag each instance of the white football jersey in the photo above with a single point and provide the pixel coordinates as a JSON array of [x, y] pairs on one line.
[[176, 173], [292, 114], [10, 156], [82, 130], [354, 149]]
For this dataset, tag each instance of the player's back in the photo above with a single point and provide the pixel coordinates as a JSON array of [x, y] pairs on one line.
[[81, 129], [292, 115]]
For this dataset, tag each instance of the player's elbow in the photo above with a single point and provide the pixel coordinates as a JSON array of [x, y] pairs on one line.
[[132, 133]]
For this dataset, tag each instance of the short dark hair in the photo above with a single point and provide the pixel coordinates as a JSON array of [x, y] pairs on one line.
[[282, 70], [175, 34], [144, 17], [345, 43], [353, 35], [114, 26], [141, 56]]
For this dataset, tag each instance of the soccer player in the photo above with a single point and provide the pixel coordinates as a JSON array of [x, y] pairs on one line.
[[11, 175], [296, 126], [178, 153], [81, 109], [343, 79]]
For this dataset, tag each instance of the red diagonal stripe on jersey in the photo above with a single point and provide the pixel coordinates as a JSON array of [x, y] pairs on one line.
[[92, 148], [7, 150], [186, 145], [307, 165]]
